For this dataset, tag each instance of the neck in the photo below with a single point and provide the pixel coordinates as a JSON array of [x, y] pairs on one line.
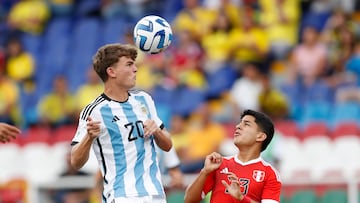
[[248, 153], [117, 94]]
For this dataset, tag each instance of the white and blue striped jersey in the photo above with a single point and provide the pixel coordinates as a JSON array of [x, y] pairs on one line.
[[127, 160]]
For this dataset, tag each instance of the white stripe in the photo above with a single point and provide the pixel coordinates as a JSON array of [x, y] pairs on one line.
[[269, 201]]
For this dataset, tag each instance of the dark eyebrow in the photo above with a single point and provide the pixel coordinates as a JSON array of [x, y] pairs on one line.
[[130, 62], [246, 121]]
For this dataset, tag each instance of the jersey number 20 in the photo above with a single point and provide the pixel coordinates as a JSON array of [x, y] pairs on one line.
[[139, 132]]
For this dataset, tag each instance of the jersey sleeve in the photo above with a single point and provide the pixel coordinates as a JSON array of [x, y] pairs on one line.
[[171, 159], [272, 187], [81, 130]]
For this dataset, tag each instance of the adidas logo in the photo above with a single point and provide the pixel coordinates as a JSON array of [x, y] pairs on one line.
[[225, 170], [115, 118]]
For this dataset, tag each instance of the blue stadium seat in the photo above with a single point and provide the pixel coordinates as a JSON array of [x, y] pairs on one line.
[[220, 80], [318, 111], [186, 100], [345, 112], [31, 43], [292, 93], [114, 29], [319, 91], [316, 20], [86, 7], [162, 95], [164, 113], [83, 45], [55, 47]]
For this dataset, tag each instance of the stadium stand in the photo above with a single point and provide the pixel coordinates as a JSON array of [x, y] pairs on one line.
[[321, 135]]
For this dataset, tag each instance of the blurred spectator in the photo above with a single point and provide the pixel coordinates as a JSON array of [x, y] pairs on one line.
[[170, 165], [250, 42], [57, 107], [247, 88], [2, 60], [308, 60], [9, 100], [194, 18], [216, 44], [185, 63], [72, 195], [224, 109], [272, 101], [29, 16], [351, 93], [89, 90], [339, 38], [178, 131], [347, 6], [280, 18], [20, 64], [204, 136], [231, 8]]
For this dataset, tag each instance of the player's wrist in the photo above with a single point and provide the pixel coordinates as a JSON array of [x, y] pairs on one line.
[[244, 199], [205, 171]]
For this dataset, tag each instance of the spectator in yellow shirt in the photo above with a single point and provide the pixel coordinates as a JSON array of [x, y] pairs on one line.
[[88, 91], [216, 44], [250, 42], [20, 64], [29, 16], [204, 136], [57, 107], [280, 18], [9, 100], [194, 18]]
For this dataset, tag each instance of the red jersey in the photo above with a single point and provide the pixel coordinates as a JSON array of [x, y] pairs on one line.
[[258, 180]]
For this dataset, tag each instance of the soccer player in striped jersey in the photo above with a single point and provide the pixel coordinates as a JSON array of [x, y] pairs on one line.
[[245, 177], [122, 127]]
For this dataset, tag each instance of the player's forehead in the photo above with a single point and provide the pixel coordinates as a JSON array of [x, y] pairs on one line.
[[125, 59], [248, 119]]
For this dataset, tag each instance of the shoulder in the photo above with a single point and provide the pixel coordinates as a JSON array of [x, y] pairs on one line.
[[136, 92], [271, 170]]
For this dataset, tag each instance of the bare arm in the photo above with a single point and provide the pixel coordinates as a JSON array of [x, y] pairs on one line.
[[194, 190], [80, 152]]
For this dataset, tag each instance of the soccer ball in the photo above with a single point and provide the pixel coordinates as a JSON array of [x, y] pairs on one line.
[[152, 34]]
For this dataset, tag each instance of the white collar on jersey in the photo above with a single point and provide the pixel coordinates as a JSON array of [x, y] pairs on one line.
[[237, 160]]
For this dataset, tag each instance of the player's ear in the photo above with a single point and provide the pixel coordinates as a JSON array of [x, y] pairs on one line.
[[261, 136], [110, 71]]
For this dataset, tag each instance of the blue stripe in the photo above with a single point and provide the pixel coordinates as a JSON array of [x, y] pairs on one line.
[[139, 143], [118, 148], [153, 168]]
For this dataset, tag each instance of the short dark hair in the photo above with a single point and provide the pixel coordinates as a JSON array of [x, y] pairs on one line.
[[264, 123], [109, 54]]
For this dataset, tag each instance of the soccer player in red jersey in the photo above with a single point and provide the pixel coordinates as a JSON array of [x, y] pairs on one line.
[[245, 177]]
